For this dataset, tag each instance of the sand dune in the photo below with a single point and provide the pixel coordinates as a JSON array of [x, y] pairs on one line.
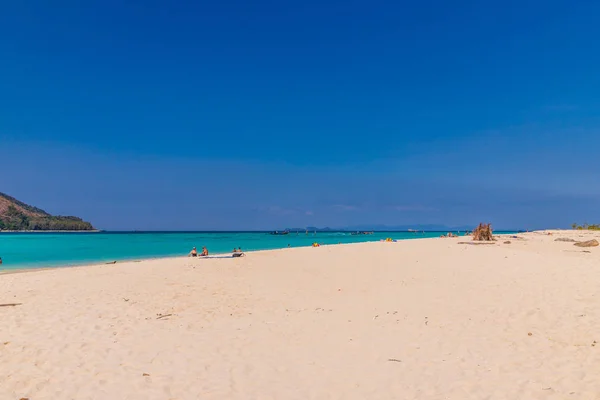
[[420, 319]]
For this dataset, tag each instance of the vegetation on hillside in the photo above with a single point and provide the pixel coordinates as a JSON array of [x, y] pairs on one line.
[[595, 227], [15, 220], [18, 216], [26, 207]]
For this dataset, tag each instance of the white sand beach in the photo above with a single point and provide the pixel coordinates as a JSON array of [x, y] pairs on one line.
[[416, 319]]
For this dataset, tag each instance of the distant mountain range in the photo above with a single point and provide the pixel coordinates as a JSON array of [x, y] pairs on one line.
[[18, 216], [385, 228], [311, 229], [422, 227]]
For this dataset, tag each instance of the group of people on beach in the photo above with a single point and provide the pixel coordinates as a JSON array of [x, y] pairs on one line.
[[237, 252], [194, 253], [450, 234]]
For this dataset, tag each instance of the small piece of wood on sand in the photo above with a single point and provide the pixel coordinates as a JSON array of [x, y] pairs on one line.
[[10, 304]]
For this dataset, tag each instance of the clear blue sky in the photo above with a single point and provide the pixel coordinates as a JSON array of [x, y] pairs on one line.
[[267, 114]]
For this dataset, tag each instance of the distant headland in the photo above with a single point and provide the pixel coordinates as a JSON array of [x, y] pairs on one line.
[[18, 216]]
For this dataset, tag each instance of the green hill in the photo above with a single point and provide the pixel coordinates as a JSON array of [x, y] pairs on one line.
[[18, 216]]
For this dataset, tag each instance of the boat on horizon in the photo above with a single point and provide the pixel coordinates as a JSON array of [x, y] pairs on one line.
[[277, 233]]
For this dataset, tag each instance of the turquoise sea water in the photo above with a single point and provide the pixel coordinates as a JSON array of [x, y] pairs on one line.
[[35, 250]]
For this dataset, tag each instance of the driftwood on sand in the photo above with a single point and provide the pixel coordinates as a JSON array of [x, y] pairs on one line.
[[589, 243], [565, 240], [10, 304]]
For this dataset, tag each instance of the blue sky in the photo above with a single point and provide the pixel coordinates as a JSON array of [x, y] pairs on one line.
[[262, 115]]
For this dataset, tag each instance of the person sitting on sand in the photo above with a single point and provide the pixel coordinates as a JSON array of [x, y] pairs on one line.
[[193, 253], [204, 252], [238, 253]]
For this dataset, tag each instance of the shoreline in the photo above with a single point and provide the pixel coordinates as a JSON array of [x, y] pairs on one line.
[[67, 264], [88, 265], [172, 257], [22, 269], [214, 256]]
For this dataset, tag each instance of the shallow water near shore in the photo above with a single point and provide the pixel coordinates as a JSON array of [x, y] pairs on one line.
[[39, 250]]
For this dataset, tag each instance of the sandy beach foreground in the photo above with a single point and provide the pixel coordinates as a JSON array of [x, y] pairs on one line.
[[419, 319]]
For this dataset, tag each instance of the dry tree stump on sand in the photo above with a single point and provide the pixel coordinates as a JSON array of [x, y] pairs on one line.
[[483, 232]]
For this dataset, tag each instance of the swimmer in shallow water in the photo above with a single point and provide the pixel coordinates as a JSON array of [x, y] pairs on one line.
[[193, 253]]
